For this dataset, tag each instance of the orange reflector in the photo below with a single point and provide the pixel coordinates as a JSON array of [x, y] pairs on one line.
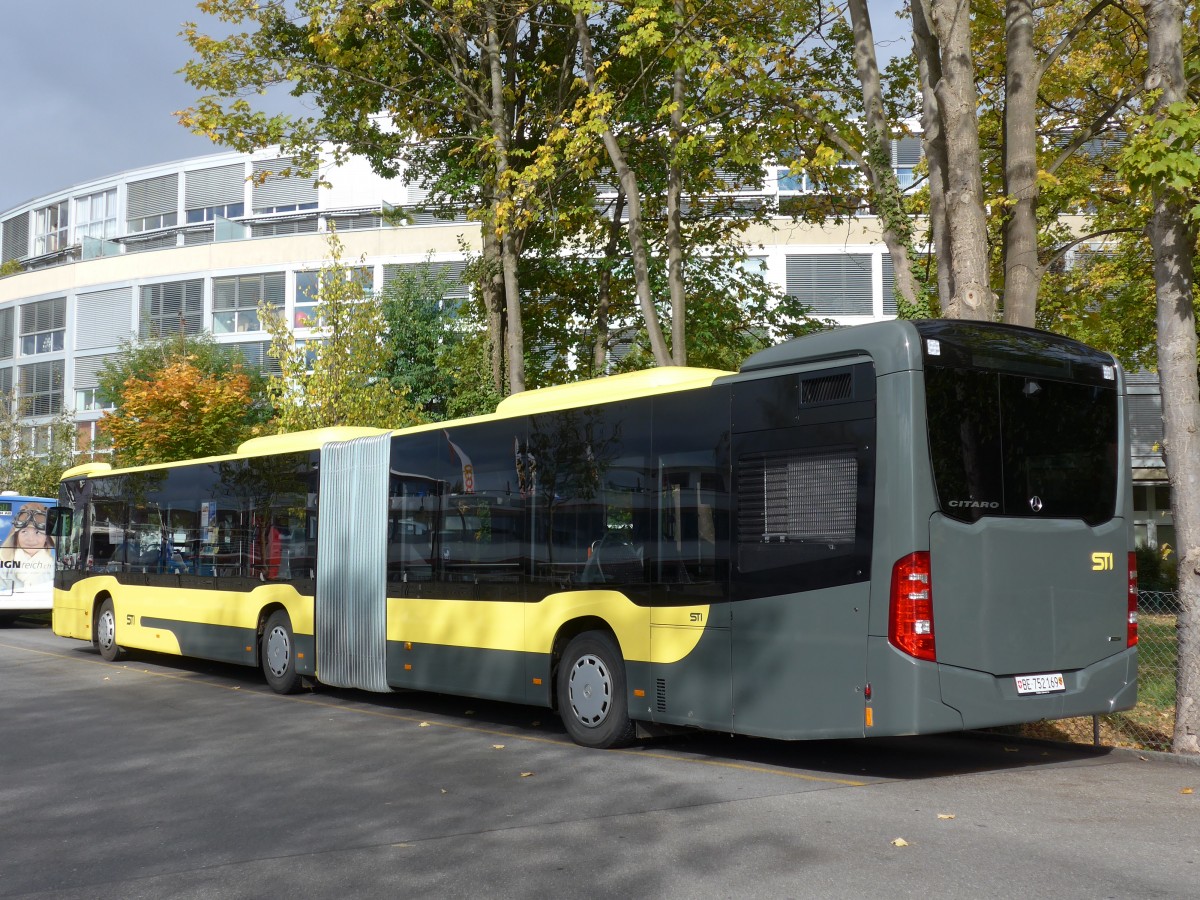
[[408, 645], [638, 692], [408, 667], [870, 718], [298, 655], [249, 649], [537, 681]]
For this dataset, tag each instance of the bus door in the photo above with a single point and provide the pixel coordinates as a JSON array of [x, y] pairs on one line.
[[689, 623], [804, 484], [351, 594]]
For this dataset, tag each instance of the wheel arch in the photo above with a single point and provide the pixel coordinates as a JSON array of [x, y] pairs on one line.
[[97, 602], [566, 633], [260, 627]]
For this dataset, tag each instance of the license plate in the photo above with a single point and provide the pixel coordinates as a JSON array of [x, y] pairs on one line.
[[1040, 684]]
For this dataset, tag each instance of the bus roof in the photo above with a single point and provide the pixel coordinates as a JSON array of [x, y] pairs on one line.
[[625, 386]]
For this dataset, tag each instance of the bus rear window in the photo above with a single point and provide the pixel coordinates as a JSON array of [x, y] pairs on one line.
[[1012, 444]]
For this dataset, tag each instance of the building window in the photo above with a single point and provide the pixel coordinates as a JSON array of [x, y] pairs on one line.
[[40, 389], [95, 217], [6, 332], [210, 213], [175, 307], [150, 223], [308, 288], [236, 301], [37, 440], [92, 400], [90, 438], [285, 208], [6, 390], [43, 326], [50, 228]]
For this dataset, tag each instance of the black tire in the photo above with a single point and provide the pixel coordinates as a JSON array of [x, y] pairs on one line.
[[278, 654], [592, 697], [106, 632]]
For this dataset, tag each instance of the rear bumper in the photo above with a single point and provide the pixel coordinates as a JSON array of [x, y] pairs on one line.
[[985, 700]]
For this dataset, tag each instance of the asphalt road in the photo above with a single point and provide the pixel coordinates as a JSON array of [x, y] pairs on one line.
[[161, 778]]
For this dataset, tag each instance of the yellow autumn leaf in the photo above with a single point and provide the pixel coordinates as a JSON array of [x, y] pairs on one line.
[[497, 746], [526, 774], [945, 815], [899, 842], [1187, 791]]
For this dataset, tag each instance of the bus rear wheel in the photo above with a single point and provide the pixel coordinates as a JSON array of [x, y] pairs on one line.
[[592, 698], [106, 632], [279, 654]]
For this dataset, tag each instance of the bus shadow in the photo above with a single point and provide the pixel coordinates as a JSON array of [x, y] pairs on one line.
[[884, 758]]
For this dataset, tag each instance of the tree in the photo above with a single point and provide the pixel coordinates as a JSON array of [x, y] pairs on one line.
[[458, 91], [1163, 159], [422, 332], [337, 375], [180, 412], [25, 466], [942, 40]]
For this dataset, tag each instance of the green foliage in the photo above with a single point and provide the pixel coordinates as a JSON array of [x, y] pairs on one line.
[[11, 267], [1156, 569], [1163, 151], [421, 336], [338, 375], [25, 467]]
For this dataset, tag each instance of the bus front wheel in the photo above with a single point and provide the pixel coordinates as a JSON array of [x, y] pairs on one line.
[[592, 698], [279, 654], [106, 632]]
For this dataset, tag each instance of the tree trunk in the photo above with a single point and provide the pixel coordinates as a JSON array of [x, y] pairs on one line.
[[604, 291], [897, 226], [929, 71], [1022, 271], [515, 344], [637, 238], [492, 290], [1173, 243], [675, 280], [957, 101]]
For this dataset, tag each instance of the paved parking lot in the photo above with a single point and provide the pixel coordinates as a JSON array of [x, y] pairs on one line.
[[160, 778]]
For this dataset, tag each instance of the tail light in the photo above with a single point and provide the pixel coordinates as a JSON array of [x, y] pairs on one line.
[[910, 617], [1131, 633]]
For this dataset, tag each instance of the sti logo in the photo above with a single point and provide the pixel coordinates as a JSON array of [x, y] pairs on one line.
[[1102, 562]]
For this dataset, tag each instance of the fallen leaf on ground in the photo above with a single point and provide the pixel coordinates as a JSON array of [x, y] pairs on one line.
[[423, 725], [497, 746], [945, 815], [526, 774], [1187, 791], [899, 842]]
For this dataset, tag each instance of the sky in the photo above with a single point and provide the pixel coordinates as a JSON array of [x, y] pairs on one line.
[[90, 88]]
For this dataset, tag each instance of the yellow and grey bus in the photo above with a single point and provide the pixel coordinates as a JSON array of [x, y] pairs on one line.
[[895, 528]]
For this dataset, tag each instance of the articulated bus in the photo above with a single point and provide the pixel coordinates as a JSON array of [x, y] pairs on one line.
[[894, 528], [26, 556]]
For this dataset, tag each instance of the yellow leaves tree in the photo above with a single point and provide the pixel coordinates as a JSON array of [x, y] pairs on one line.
[[180, 412], [337, 374]]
